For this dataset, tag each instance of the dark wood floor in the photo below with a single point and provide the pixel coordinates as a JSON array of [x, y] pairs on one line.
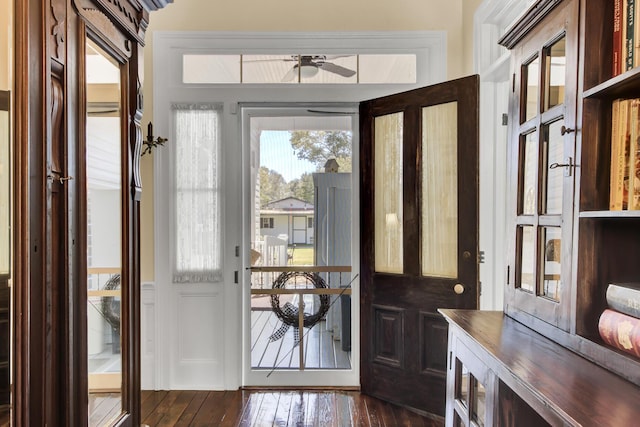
[[273, 408]]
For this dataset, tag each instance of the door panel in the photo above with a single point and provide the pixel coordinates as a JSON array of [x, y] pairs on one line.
[[299, 229], [419, 244]]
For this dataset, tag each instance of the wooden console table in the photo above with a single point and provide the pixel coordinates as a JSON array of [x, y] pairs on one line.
[[502, 373]]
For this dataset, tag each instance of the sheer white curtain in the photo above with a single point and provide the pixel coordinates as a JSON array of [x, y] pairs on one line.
[[196, 179]]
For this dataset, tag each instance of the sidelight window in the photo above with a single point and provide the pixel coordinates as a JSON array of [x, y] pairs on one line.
[[196, 178]]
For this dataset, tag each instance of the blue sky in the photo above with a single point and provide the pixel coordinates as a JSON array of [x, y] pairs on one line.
[[276, 154]]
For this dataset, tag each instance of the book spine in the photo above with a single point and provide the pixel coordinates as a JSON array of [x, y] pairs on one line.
[[630, 42], [623, 29], [617, 37], [634, 159], [620, 331], [615, 185], [636, 37], [624, 299], [625, 150]]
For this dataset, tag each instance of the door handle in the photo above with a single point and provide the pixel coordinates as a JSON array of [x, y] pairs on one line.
[[458, 288]]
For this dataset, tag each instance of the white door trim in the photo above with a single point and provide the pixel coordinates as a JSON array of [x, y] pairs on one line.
[[168, 48], [492, 62]]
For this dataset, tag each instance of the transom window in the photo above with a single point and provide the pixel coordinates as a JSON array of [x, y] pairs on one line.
[[299, 68]]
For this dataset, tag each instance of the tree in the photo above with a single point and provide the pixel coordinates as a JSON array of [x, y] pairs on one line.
[[318, 146], [302, 188], [272, 186]]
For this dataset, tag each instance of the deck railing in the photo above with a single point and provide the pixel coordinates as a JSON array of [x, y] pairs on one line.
[[296, 280]]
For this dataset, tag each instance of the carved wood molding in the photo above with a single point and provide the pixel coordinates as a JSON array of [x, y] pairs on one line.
[[535, 14], [101, 22], [58, 15], [136, 185], [127, 15]]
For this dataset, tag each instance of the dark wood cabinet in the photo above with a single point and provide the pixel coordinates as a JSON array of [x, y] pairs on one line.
[[528, 379], [565, 244], [49, 205]]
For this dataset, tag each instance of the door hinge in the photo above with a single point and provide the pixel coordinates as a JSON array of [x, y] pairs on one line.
[[237, 251], [508, 273], [479, 288], [505, 119], [235, 277], [450, 357], [513, 83], [481, 257]]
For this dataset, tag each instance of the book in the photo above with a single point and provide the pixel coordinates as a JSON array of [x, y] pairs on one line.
[[636, 37], [616, 175], [624, 154], [620, 155], [634, 156], [620, 331], [617, 37], [624, 297], [630, 34]]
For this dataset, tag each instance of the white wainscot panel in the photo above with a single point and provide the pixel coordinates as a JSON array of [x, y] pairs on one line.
[[148, 336], [199, 336]]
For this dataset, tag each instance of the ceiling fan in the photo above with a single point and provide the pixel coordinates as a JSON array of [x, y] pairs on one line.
[[307, 66]]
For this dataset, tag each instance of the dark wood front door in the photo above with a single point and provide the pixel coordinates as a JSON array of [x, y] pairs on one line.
[[419, 236]]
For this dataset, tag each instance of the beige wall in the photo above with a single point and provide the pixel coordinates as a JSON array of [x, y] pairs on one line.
[[453, 16], [470, 7], [6, 44]]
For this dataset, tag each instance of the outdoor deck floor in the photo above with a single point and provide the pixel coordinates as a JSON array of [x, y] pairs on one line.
[[321, 351]]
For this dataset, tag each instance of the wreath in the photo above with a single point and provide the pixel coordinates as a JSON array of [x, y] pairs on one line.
[[110, 305], [289, 316]]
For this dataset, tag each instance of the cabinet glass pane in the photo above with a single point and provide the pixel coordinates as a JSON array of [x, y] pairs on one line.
[[440, 190], [104, 195], [526, 258], [551, 280], [553, 176], [528, 162], [555, 59], [457, 420], [388, 193], [462, 383], [479, 401], [531, 88]]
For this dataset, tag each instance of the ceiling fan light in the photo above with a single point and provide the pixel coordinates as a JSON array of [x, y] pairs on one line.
[[308, 71]]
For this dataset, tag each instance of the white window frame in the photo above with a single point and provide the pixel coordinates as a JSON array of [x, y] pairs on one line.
[[160, 349]]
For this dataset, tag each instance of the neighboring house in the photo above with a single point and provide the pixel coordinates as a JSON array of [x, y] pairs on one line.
[[289, 216]]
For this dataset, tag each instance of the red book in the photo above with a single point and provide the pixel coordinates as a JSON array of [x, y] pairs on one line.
[[617, 37], [620, 331]]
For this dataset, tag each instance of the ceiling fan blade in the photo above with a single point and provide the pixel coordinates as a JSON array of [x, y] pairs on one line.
[[332, 57], [337, 69], [271, 60], [291, 74]]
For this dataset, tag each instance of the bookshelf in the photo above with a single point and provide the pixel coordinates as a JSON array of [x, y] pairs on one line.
[[560, 225]]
